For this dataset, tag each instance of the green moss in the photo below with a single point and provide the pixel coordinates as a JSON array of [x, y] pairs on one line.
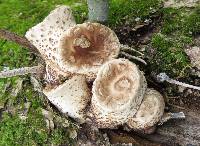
[[170, 57], [15, 131], [33, 130], [193, 22], [182, 21], [19, 16], [80, 12], [125, 11], [58, 137], [179, 26]]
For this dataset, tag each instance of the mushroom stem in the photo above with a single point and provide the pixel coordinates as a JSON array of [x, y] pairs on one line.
[[22, 71], [168, 116], [10, 36], [132, 57], [127, 48], [164, 77]]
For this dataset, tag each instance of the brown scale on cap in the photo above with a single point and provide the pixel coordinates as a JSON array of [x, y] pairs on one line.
[[46, 35], [149, 113], [71, 97], [53, 75], [85, 47], [88, 49], [117, 93]]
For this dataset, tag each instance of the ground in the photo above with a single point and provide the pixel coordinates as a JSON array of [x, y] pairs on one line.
[[160, 31]]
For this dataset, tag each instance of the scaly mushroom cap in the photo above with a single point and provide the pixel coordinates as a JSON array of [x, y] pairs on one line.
[[71, 97], [53, 75], [85, 47], [46, 35], [149, 113], [117, 91]]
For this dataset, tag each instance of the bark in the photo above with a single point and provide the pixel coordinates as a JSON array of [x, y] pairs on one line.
[[98, 10], [22, 41]]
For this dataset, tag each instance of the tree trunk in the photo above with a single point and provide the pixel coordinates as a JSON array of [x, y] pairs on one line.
[[98, 10]]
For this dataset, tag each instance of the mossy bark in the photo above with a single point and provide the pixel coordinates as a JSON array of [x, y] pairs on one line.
[[98, 10]]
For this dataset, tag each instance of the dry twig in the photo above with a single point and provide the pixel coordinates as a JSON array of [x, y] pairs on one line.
[[22, 41]]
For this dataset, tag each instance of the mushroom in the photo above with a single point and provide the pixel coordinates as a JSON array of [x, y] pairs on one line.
[[149, 113], [85, 47], [53, 75], [46, 35], [118, 92], [74, 52], [79, 49], [71, 97]]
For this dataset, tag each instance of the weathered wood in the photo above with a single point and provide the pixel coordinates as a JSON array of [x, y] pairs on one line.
[[172, 133], [178, 132], [22, 41]]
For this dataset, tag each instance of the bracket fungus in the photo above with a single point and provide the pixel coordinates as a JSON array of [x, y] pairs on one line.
[[71, 97], [118, 92], [149, 113]]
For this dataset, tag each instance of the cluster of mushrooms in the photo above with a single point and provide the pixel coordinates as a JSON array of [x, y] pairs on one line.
[[84, 79]]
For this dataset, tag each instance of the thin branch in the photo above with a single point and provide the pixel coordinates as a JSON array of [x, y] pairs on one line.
[[127, 48], [22, 71], [167, 116], [132, 57], [164, 77], [22, 41], [183, 84]]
